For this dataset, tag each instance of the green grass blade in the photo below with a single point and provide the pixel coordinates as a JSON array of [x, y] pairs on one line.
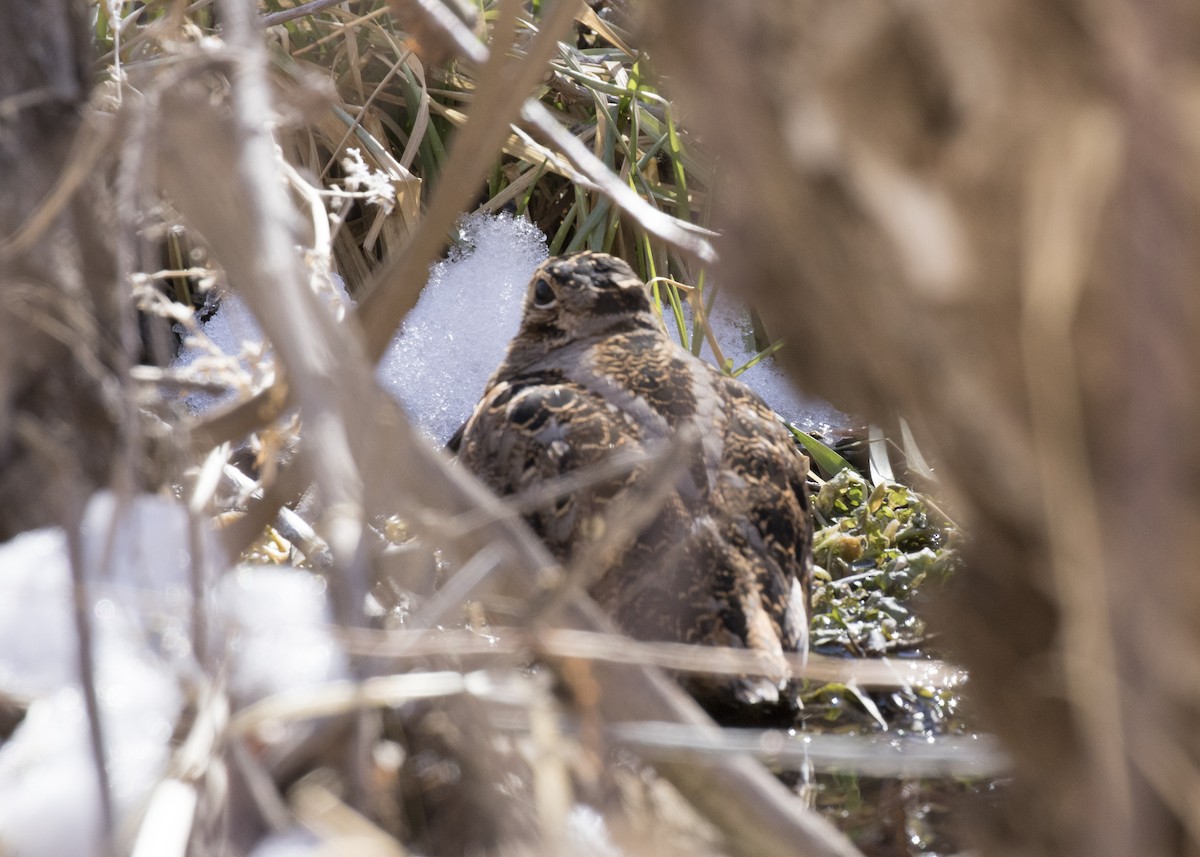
[[828, 461], [758, 358]]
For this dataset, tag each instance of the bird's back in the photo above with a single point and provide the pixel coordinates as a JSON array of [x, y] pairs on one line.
[[726, 558]]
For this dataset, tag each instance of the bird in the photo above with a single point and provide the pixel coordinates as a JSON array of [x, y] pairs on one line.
[[592, 375]]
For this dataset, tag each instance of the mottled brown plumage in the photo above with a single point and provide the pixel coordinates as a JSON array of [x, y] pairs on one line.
[[592, 372]]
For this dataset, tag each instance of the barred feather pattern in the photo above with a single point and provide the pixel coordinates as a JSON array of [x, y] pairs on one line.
[[591, 372]]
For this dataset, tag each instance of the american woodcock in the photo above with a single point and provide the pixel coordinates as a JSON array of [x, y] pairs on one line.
[[726, 558]]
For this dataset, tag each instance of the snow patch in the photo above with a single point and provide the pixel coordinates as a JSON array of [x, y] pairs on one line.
[[456, 335], [271, 625]]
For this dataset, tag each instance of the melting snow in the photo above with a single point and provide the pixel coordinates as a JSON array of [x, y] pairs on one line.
[[271, 626], [455, 336]]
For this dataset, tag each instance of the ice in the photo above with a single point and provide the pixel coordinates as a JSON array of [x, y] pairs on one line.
[[276, 622], [49, 798], [149, 537], [276, 618], [232, 325], [455, 336], [37, 637], [231, 351], [138, 570], [137, 566]]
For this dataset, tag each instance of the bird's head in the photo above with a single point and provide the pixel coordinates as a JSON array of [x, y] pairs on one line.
[[584, 295]]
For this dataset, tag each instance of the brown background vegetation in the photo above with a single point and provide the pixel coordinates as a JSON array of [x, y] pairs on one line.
[[981, 216]]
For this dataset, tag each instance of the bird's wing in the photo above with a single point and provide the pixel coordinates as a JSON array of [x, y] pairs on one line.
[[527, 432], [765, 487]]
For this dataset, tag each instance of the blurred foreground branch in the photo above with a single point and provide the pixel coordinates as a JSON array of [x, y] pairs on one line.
[[982, 217], [62, 320]]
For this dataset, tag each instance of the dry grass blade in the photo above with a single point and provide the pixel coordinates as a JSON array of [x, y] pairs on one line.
[[86, 652], [882, 674], [562, 643], [589, 17], [444, 31], [258, 777], [297, 12], [867, 756], [289, 524], [172, 380], [501, 93], [690, 239], [81, 613], [1071, 179], [459, 589], [1173, 776], [344, 697], [290, 482], [342, 830], [326, 371], [93, 143], [167, 826], [523, 147]]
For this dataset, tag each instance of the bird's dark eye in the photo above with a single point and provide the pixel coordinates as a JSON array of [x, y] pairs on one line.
[[543, 295]]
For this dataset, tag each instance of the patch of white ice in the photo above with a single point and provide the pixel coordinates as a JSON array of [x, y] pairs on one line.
[[49, 797], [276, 624], [231, 351], [456, 335], [271, 623]]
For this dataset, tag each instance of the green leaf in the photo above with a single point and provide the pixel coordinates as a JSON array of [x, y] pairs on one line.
[[827, 460]]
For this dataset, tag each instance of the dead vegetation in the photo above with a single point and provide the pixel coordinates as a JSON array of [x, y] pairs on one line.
[[1000, 197], [996, 198]]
